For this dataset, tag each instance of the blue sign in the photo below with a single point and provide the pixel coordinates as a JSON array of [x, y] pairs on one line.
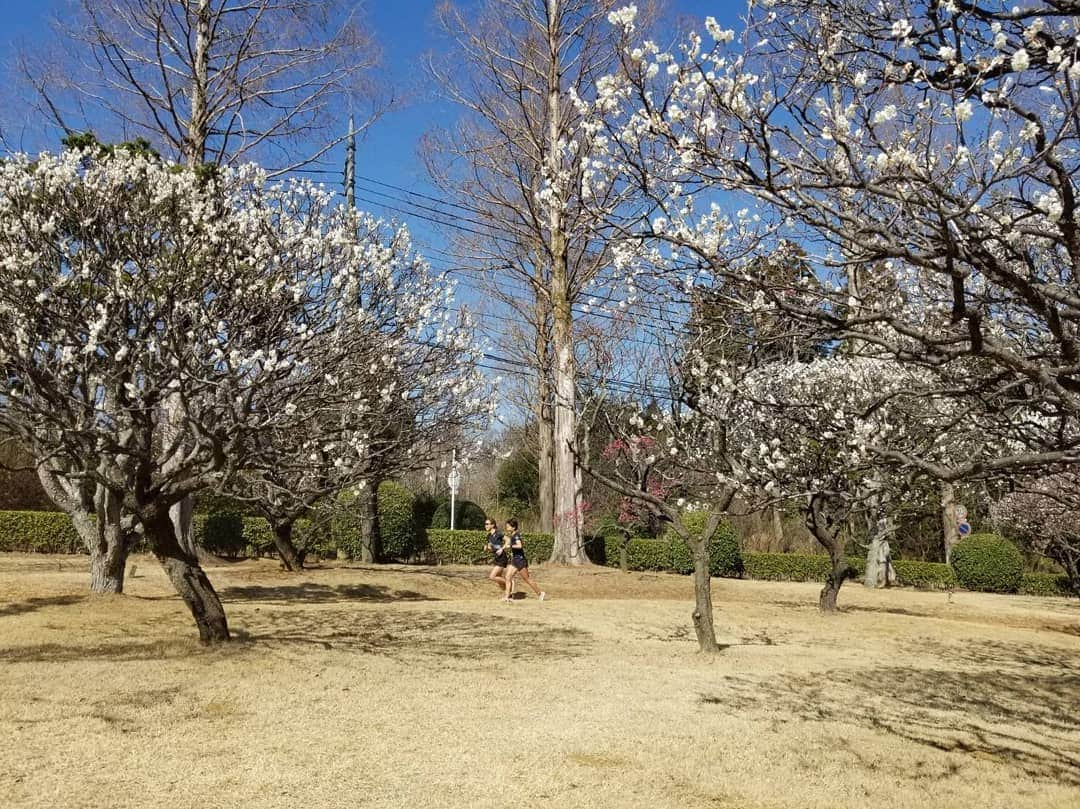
[[963, 529]]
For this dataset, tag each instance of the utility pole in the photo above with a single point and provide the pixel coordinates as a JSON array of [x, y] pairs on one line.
[[350, 166]]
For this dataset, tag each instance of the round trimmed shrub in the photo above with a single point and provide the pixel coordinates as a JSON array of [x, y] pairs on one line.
[[221, 533], [988, 563], [725, 557], [345, 524], [469, 517], [397, 528], [424, 506]]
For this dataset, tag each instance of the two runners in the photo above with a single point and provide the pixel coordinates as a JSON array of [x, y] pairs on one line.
[[508, 560]]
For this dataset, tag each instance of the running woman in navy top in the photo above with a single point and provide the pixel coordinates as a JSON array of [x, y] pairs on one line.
[[519, 565], [500, 555]]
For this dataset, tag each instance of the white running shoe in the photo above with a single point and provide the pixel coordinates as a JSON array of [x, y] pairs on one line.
[[543, 595]]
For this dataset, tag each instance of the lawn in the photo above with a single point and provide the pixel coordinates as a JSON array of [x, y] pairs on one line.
[[414, 687]]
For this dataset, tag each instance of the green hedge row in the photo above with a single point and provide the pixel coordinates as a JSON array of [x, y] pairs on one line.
[[925, 575], [446, 547], [1047, 584], [670, 553], [38, 532], [795, 567], [230, 535]]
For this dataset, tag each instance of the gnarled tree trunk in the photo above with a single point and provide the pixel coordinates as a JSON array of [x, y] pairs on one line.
[[283, 542], [188, 578], [109, 553], [827, 532], [96, 516]]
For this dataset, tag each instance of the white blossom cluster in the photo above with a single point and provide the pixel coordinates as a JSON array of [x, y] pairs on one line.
[[258, 313]]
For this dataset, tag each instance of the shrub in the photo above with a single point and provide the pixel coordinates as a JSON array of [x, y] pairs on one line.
[[220, 533], [725, 558], [795, 566], [988, 563], [258, 538], [927, 575], [424, 506], [38, 532], [646, 554], [345, 524], [470, 547], [518, 479], [397, 531], [1046, 584], [469, 516]]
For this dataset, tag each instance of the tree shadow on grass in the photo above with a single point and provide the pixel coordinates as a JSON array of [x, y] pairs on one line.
[[414, 634], [312, 592], [1021, 713], [34, 604], [114, 651]]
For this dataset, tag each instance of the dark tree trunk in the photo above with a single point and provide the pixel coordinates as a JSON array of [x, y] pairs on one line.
[[368, 503], [108, 559], [703, 606], [624, 554], [290, 557], [188, 578], [826, 531], [827, 600]]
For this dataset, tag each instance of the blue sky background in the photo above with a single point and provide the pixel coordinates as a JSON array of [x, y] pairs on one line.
[[405, 30]]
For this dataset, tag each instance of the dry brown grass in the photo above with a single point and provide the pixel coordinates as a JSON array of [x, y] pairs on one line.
[[414, 687]]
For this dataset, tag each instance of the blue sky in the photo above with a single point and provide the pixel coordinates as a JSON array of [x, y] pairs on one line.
[[406, 30]]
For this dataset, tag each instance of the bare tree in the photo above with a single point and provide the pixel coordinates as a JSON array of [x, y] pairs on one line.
[[209, 81], [515, 162]]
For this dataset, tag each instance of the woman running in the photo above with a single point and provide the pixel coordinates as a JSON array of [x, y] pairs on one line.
[[519, 565], [499, 556]]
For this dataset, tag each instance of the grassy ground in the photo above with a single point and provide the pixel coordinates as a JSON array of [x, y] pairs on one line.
[[414, 687]]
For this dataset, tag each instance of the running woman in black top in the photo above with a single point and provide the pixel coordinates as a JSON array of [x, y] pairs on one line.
[[519, 565], [500, 556]]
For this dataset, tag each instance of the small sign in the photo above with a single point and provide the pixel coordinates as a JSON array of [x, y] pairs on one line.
[[454, 479], [963, 529], [961, 513]]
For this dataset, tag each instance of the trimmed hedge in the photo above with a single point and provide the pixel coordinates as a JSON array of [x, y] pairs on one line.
[[926, 575], [725, 557], [38, 532], [469, 516], [397, 529], [1046, 584], [345, 524], [988, 563], [222, 533], [796, 567], [470, 547]]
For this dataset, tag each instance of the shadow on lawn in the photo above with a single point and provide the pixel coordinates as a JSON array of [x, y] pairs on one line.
[[34, 604], [1020, 710], [414, 634], [314, 593]]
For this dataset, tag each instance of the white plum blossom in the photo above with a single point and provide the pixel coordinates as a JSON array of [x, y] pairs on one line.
[[1020, 60]]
